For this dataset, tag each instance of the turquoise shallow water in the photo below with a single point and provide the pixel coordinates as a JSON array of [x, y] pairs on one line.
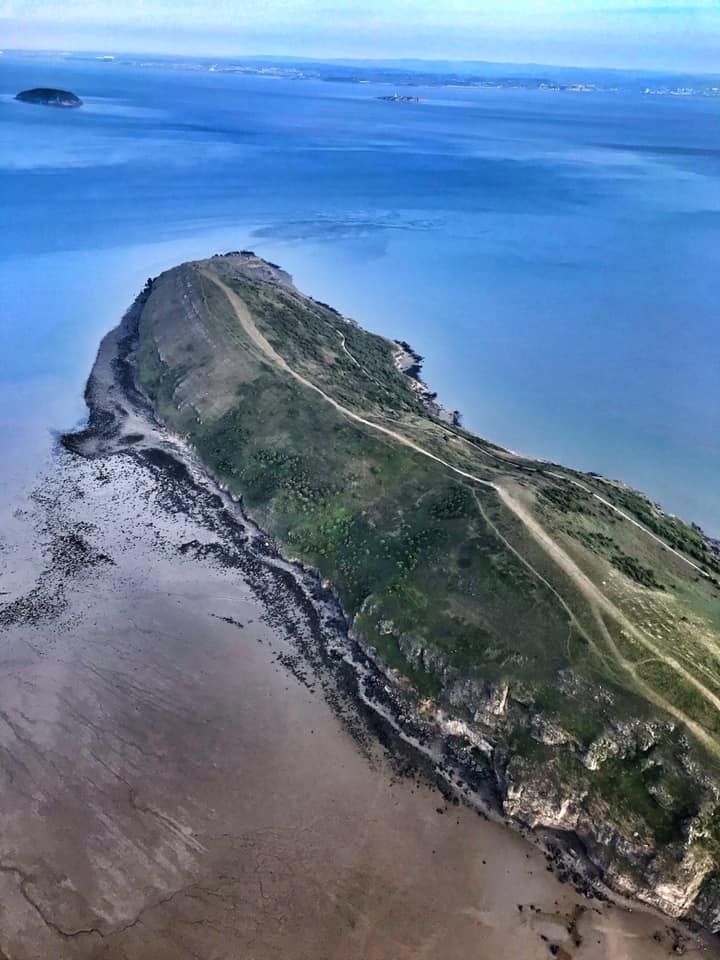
[[554, 255]]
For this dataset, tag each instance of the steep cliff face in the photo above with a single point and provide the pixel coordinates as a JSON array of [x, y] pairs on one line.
[[545, 779], [530, 616]]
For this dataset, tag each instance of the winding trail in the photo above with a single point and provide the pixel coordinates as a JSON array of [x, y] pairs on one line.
[[602, 604], [599, 603], [246, 321], [626, 516]]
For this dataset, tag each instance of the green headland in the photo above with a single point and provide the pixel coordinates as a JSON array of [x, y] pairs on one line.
[[561, 628]]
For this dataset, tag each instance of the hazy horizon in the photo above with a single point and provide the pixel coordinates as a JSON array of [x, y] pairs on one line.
[[426, 62], [676, 37]]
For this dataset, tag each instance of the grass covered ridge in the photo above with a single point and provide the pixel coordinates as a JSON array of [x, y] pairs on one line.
[[469, 570]]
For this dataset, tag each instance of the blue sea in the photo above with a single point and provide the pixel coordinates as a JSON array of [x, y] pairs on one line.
[[553, 253]]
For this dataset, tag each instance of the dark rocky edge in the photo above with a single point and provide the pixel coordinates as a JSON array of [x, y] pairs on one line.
[[409, 362], [49, 97], [122, 422], [713, 545]]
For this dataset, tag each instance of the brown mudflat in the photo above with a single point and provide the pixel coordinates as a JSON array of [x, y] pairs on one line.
[[176, 783]]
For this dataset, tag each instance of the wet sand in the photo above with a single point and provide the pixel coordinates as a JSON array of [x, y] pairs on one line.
[[181, 777]]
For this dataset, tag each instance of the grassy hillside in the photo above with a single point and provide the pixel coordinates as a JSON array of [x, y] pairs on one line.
[[479, 577]]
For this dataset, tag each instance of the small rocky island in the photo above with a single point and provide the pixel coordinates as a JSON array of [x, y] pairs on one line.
[[49, 97], [399, 98]]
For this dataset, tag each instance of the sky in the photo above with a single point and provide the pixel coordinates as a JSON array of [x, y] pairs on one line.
[[682, 36]]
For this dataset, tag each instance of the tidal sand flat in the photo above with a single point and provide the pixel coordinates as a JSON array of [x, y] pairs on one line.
[[176, 783], [192, 762]]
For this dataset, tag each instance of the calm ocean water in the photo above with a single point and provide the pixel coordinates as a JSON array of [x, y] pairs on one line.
[[556, 256]]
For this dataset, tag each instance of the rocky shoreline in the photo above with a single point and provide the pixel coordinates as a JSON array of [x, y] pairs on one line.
[[121, 420], [409, 362]]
